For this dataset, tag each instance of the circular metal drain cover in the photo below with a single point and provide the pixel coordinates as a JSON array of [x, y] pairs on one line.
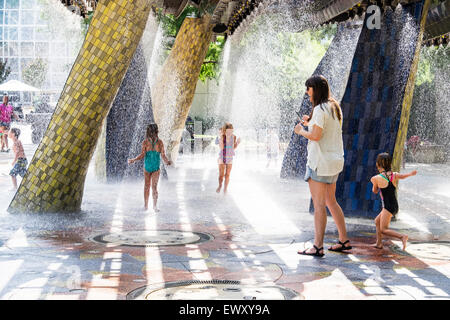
[[430, 250], [153, 238], [211, 290], [436, 250]]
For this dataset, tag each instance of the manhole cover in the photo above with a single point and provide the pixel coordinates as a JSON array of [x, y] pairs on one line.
[[211, 290], [153, 238], [429, 250]]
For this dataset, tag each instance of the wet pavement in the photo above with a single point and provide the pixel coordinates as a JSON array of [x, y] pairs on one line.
[[204, 245]]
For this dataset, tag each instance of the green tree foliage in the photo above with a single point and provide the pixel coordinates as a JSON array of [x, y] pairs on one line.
[[429, 110], [35, 72], [432, 60], [171, 27], [289, 57], [5, 70], [86, 22], [211, 66]]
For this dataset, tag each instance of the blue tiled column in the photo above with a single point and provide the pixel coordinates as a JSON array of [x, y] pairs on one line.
[[375, 102]]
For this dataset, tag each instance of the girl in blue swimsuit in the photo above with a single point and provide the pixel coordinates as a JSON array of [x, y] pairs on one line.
[[386, 183], [152, 152]]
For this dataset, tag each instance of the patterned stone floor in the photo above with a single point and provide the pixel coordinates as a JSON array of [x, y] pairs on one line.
[[242, 245]]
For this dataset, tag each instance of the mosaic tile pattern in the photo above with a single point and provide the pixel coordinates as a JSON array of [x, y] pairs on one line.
[[174, 88], [55, 178], [376, 103]]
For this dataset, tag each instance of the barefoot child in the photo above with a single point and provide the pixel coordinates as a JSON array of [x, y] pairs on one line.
[[20, 161], [152, 152], [386, 183], [227, 144]]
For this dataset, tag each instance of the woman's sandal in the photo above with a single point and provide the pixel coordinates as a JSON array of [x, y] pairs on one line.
[[316, 254], [342, 248]]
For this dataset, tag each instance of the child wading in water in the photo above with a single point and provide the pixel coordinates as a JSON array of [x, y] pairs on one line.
[[152, 151], [386, 183], [227, 144], [20, 160]]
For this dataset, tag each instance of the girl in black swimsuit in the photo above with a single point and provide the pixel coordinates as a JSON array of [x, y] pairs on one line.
[[386, 183]]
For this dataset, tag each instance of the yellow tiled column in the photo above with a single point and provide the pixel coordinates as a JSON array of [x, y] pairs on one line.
[[407, 99], [174, 88], [55, 178]]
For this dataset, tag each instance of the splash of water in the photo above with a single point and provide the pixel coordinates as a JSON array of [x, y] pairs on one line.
[[264, 66]]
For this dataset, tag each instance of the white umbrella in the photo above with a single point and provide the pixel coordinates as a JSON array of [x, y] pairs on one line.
[[14, 85]]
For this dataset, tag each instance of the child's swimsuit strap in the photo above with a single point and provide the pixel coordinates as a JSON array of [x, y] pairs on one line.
[[384, 177], [153, 143]]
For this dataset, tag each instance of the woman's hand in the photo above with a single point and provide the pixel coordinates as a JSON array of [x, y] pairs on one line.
[[169, 163], [238, 140], [305, 120], [299, 129], [130, 161]]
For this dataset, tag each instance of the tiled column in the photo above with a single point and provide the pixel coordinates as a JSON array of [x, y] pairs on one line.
[[55, 178], [174, 88], [377, 102]]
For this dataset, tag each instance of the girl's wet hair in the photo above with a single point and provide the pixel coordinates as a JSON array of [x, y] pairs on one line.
[[152, 131], [384, 160], [16, 132], [226, 126], [321, 94]]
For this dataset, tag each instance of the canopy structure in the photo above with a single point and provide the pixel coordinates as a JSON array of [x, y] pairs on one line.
[[15, 85]]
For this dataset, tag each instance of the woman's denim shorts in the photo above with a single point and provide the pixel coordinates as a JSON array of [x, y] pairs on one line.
[[310, 173]]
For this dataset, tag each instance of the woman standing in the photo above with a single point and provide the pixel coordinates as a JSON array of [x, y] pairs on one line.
[[324, 163], [6, 111]]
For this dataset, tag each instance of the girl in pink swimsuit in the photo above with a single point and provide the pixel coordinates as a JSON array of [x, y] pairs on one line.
[[227, 144], [6, 112]]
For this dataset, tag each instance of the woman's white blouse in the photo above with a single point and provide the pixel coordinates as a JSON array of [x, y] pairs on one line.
[[326, 155]]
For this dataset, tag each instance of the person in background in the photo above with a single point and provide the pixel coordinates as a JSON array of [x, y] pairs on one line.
[[6, 112], [20, 160], [227, 144]]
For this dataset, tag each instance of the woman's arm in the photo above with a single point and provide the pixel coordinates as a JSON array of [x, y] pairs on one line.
[[163, 154], [314, 135], [141, 156]]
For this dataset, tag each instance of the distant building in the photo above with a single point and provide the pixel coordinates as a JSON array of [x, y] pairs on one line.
[[31, 29]]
